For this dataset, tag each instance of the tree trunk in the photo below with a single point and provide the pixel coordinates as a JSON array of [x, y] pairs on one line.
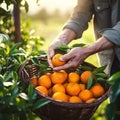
[[16, 14]]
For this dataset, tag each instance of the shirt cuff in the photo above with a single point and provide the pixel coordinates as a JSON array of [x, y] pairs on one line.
[[112, 35]]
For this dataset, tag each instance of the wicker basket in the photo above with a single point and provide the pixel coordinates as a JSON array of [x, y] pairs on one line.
[[56, 110]]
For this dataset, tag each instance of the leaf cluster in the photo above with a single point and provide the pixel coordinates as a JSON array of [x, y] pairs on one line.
[[16, 100]]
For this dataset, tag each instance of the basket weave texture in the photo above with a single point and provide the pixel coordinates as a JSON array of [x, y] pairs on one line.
[[56, 110]]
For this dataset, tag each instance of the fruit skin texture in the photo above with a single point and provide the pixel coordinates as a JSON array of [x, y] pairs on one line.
[[45, 81], [85, 76], [58, 88], [73, 77], [58, 77], [97, 90], [85, 95], [33, 81], [56, 60], [75, 99], [73, 89], [60, 96], [90, 100], [42, 90]]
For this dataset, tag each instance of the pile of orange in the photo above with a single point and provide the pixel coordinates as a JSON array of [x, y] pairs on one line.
[[68, 87]]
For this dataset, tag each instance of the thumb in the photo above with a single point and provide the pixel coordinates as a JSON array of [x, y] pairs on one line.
[[66, 57]]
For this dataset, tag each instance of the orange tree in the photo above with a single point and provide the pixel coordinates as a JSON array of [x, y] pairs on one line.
[[17, 102]]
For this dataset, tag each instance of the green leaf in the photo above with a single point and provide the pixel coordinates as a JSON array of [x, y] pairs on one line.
[[26, 6], [23, 96], [90, 82], [3, 37], [31, 93], [8, 75], [102, 75], [17, 52], [62, 49], [110, 111], [14, 47], [114, 78], [78, 45], [8, 84], [84, 67], [115, 91], [35, 61], [1, 83], [99, 69], [40, 103]]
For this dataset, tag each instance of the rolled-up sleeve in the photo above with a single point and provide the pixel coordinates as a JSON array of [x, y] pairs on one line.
[[112, 34], [80, 17]]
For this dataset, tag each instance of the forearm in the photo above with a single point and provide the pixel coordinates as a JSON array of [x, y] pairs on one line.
[[100, 45], [66, 36]]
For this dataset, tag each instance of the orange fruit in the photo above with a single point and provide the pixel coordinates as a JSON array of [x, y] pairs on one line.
[[75, 99], [48, 74], [45, 81], [97, 90], [60, 96], [85, 76], [82, 86], [56, 60], [65, 73], [73, 89], [58, 88], [90, 100], [58, 77], [33, 81], [42, 90], [73, 77], [85, 95]]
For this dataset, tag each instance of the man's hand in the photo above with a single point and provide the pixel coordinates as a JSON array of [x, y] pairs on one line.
[[63, 38], [75, 57]]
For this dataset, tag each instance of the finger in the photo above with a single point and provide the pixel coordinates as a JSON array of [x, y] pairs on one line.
[[66, 57], [66, 66], [49, 57]]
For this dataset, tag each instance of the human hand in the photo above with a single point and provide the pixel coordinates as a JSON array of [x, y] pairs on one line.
[[51, 50], [75, 57]]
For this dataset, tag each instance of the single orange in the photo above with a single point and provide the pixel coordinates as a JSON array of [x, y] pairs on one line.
[[58, 88], [85, 76], [33, 81], [45, 81], [97, 90], [58, 77], [43, 90], [60, 96], [48, 74], [85, 95], [90, 100], [65, 73], [82, 86], [73, 89], [73, 77], [56, 60], [75, 99]]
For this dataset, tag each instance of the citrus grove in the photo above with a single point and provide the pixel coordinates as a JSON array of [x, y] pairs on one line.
[[69, 86]]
